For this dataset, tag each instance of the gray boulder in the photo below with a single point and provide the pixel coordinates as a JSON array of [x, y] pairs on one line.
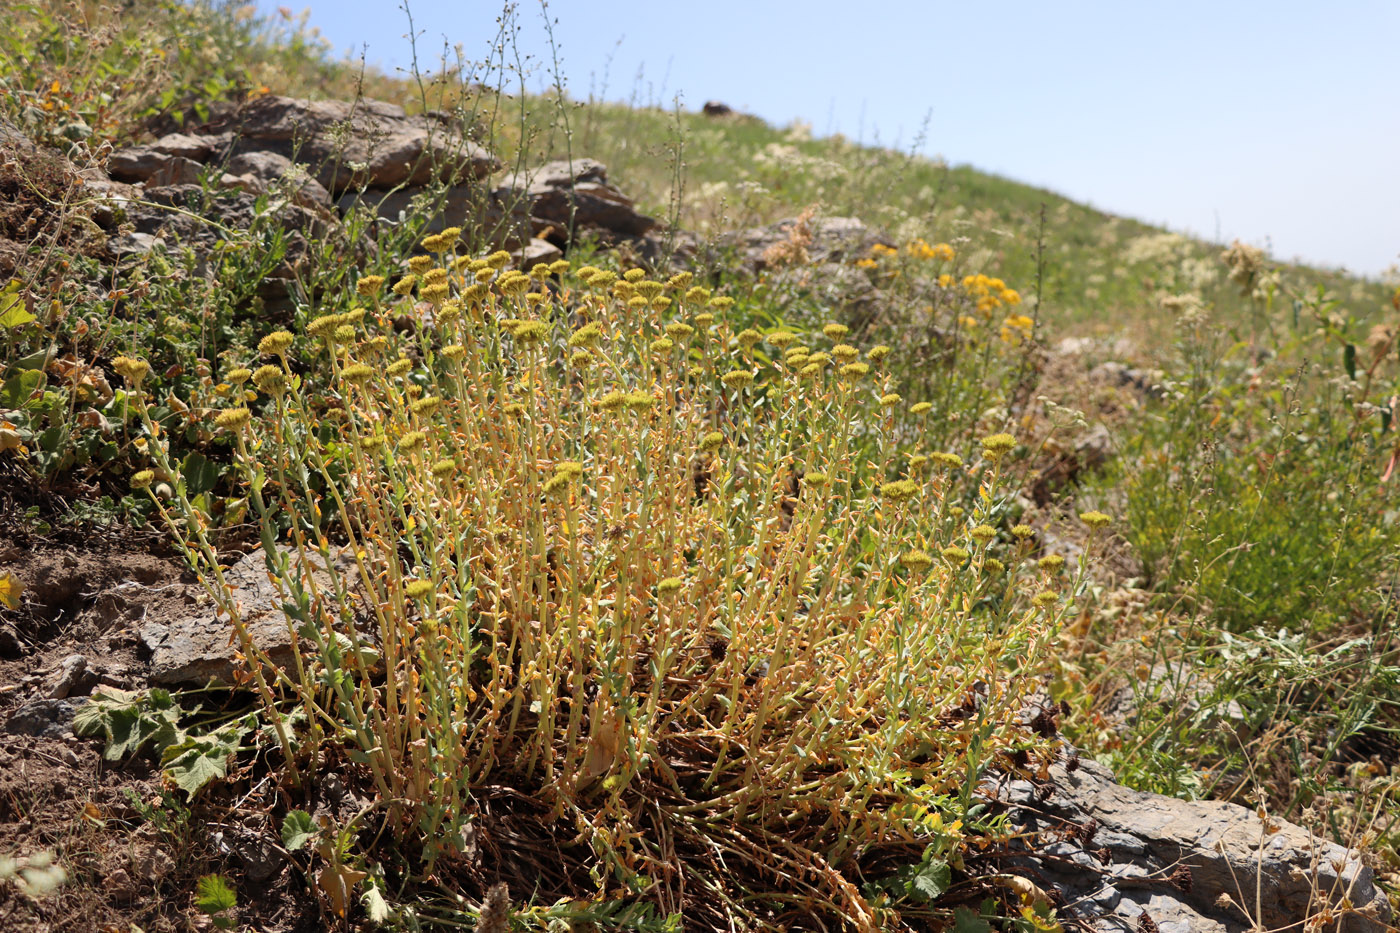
[[353, 143], [201, 647], [1113, 855], [557, 192]]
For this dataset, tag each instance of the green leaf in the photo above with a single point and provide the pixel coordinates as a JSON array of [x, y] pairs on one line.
[[213, 895], [297, 830], [12, 311], [967, 921], [200, 473], [195, 762], [376, 908], [931, 881], [195, 767], [19, 388]]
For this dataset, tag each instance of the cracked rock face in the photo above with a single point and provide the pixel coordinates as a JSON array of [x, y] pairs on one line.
[[201, 647], [1113, 854]]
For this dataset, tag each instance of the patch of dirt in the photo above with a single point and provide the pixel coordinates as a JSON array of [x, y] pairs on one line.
[[36, 188], [132, 850]]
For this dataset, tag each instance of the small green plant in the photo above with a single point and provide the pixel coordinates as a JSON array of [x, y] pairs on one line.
[[132, 722], [217, 901]]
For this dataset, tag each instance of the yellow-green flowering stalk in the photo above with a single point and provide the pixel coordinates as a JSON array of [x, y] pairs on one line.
[[607, 554]]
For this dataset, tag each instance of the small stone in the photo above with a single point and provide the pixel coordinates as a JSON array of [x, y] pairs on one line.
[[48, 719], [70, 675]]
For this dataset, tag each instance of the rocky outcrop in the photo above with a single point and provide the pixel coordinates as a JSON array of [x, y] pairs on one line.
[[200, 648], [333, 157], [558, 194], [348, 144], [1120, 860]]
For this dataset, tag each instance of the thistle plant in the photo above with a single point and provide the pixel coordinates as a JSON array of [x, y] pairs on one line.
[[688, 590]]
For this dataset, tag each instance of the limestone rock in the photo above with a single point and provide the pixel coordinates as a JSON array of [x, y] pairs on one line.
[[455, 206], [555, 190], [200, 647], [47, 719], [534, 252], [1191, 866], [271, 167], [351, 143]]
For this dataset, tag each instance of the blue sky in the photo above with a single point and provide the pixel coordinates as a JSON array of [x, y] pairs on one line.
[[1278, 123]]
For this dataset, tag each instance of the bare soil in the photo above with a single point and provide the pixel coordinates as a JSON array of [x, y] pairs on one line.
[[132, 849]]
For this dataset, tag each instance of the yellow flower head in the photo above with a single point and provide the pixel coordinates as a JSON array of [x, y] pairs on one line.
[[997, 446], [425, 406], [270, 379], [900, 490], [668, 586], [586, 336], [916, 560], [233, 418], [920, 408], [142, 479], [367, 286], [404, 286], [955, 555], [530, 333], [737, 379], [1095, 519], [275, 343], [420, 264], [498, 260], [358, 373], [836, 331], [854, 371], [134, 371], [712, 441]]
